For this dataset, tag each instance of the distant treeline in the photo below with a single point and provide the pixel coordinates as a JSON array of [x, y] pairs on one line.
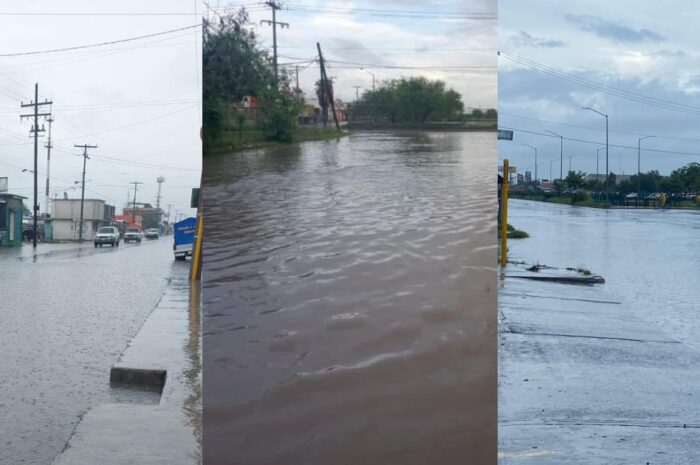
[[414, 100]]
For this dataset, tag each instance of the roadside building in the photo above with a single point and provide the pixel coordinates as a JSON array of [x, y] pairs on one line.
[[10, 219], [65, 219], [150, 216]]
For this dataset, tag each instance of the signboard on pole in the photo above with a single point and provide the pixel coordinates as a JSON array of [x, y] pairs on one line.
[[504, 134], [3, 184]]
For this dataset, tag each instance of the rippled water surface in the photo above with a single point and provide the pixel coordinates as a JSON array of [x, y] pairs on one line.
[[350, 302], [648, 257]]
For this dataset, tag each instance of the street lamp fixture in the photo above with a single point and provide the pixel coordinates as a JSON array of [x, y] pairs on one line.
[[535, 149], [561, 153], [370, 72], [639, 164], [607, 170]]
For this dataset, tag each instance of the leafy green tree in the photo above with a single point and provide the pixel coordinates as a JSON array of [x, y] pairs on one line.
[[235, 66], [324, 94], [413, 100], [575, 179]]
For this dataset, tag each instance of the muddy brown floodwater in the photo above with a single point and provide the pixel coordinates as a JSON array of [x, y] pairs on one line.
[[349, 301]]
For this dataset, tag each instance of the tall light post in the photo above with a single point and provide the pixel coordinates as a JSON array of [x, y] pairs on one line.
[[550, 171], [607, 170], [639, 164], [535, 149], [597, 171], [370, 72], [561, 153], [373, 109]]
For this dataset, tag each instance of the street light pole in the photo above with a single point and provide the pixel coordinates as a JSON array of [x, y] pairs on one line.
[[561, 153], [535, 149], [639, 164], [373, 96], [597, 171], [607, 170]]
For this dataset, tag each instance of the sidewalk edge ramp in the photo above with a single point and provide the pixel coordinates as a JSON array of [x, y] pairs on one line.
[[137, 377]]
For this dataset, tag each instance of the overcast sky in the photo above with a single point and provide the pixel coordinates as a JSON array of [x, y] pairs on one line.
[[139, 101], [648, 49], [436, 36]]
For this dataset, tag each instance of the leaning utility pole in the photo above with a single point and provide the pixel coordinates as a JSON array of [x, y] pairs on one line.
[[275, 6], [133, 211], [326, 88], [35, 129], [48, 146], [82, 193]]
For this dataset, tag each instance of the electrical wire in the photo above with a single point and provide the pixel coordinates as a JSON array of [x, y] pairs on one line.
[[112, 42]]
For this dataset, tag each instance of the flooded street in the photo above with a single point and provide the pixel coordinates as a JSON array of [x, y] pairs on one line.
[[348, 301], [647, 257], [605, 373], [68, 312]]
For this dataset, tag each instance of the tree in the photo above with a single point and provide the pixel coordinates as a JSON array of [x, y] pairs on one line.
[[324, 94], [413, 100], [575, 179], [235, 66]]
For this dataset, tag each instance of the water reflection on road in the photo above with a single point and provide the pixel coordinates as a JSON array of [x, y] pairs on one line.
[[349, 301], [67, 313], [648, 257]]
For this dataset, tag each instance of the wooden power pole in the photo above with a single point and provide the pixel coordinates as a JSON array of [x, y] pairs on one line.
[[326, 87], [36, 130], [82, 192]]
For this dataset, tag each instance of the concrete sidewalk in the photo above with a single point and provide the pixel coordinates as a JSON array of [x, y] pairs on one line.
[[131, 431], [582, 380]]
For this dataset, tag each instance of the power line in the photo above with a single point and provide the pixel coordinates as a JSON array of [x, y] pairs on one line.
[[617, 92], [635, 134], [393, 13], [78, 47], [583, 141]]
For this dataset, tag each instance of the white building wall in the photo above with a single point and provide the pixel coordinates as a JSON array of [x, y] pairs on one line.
[[93, 209], [67, 230]]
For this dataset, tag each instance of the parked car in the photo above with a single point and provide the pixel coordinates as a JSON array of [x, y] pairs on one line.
[[107, 235], [133, 235], [152, 233]]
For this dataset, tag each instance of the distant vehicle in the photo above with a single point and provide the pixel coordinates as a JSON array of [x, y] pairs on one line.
[[184, 238], [107, 235], [133, 235], [152, 233]]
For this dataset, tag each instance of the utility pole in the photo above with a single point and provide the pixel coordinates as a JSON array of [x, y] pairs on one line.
[[275, 6], [357, 91], [326, 88], [48, 146], [35, 129], [160, 182], [639, 164], [561, 153], [133, 211], [82, 193], [296, 69]]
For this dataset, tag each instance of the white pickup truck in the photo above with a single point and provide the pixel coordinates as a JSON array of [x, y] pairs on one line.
[[107, 235], [133, 234]]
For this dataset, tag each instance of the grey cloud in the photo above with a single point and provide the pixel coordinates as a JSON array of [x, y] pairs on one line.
[[524, 39], [612, 30]]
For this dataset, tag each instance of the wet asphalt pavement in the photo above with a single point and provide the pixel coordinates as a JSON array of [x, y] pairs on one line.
[[602, 374], [68, 312]]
